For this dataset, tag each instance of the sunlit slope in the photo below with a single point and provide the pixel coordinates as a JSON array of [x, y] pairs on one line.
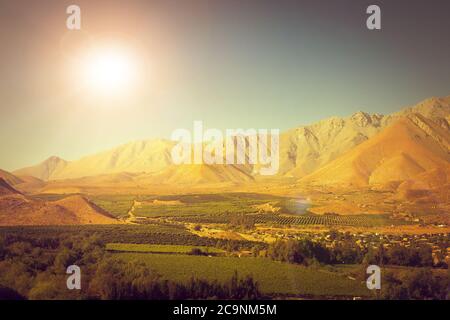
[[405, 149], [44, 170], [195, 174], [17, 209], [308, 148], [10, 178], [141, 156], [6, 189], [303, 151], [430, 187]]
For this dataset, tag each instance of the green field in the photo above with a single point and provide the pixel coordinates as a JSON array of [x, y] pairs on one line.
[[275, 278], [117, 205], [206, 205], [155, 248], [223, 208], [299, 220], [155, 234]]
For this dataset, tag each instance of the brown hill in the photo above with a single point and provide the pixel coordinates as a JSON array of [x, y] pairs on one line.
[[29, 184], [407, 148], [10, 178], [85, 211], [430, 187], [16, 209], [6, 189]]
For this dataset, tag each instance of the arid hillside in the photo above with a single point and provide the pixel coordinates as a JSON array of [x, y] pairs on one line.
[[302, 150], [17, 209], [409, 147]]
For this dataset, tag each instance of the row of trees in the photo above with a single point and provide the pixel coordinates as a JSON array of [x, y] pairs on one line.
[[420, 256], [300, 252], [416, 285], [306, 252]]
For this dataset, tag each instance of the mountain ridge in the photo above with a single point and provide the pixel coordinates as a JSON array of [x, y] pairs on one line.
[[398, 153], [303, 150], [43, 170]]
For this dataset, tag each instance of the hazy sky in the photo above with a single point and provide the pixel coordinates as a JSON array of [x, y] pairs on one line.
[[232, 64]]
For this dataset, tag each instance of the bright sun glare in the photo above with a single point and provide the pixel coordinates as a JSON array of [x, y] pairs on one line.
[[108, 71]]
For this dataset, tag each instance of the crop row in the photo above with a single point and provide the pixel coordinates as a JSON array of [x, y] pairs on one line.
[[358, 221]]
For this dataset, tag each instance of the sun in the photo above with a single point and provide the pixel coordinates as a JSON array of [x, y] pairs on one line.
[[108, 71]]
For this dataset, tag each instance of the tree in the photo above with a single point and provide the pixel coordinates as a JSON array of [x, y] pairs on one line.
[[418, 284], [197, 252], [10, 294], [399, 255]]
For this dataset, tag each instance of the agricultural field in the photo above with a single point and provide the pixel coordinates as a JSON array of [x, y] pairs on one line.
[[328, 220], [207, 204], [274, 278], [151, 248], [223, 208], [300, 220], [158, 234], [117, 205]]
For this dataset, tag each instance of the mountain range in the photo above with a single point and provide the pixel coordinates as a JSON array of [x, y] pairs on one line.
[[306, 153], [360, 150], [407, 153], [410, 146]]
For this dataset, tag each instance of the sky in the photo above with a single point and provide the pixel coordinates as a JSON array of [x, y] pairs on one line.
[[232, 64]]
